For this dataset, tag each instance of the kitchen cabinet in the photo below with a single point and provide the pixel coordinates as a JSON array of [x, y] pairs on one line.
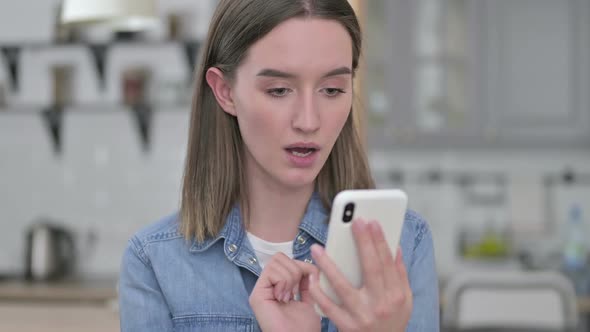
[[537, 70], [57, 317], [66, 306], [458, 73]]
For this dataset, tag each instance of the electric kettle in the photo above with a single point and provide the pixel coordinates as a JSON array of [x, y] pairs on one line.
[[50, 252]]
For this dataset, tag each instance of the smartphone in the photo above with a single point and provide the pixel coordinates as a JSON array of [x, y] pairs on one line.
[[386, 206]]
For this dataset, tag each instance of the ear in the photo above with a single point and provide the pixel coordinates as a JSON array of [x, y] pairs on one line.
[[221, 89]]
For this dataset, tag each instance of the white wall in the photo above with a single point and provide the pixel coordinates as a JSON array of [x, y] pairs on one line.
[[103, 183], [536, 213]]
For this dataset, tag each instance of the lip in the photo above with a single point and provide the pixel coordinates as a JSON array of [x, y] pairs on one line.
[[303, 145], [302, 162]]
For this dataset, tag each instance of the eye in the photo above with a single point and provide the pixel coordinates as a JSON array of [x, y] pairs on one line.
[[278, 92], [333, 92]]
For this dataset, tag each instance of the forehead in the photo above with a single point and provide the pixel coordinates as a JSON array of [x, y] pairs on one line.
[[305, 46]]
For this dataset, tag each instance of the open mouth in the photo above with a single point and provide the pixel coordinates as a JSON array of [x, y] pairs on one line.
[[301, 152]]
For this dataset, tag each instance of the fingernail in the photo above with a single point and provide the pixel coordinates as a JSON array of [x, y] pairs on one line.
[[360, 224], [375, 227], [317, 250]]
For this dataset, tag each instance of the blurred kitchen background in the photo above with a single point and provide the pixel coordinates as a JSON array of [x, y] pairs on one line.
[[480, 110]]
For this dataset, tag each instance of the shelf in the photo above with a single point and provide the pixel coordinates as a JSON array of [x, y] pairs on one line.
[[99, 51], [143, 116], [46, 45], [93, 108]]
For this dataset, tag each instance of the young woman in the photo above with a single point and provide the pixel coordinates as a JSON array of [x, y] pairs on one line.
[[272, 140]]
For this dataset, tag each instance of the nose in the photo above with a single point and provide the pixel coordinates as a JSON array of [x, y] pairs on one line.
[[307, 117]]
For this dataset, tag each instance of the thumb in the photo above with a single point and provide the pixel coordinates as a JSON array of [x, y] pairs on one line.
[[309, 271]]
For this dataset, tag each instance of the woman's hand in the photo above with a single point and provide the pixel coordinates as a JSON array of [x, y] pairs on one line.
[[384, 302], [272, 298]]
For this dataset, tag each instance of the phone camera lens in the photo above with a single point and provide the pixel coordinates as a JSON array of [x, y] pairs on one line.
[[348, 212]]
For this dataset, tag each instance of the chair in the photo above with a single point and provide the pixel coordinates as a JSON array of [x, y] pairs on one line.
[[509, 301]]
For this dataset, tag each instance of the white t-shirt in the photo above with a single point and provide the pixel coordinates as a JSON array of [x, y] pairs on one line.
[[264, 250]]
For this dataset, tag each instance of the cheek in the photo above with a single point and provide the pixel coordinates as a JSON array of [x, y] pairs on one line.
[[259, 121], [335, 115]]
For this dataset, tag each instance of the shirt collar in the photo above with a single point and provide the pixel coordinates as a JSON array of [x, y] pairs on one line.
[[232, 229], [315, 219], [315, 223]]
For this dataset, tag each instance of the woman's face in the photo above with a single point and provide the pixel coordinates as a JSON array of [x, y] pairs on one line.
[[292, 95]]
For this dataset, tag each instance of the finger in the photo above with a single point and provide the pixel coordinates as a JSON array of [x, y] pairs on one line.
[[298, 271], [280, 278], [272, 280], [401, 267], [403, 273], [368, 256], [388, 262], [345, 291], [336, 314], [306, 268], [295, 276], [268, 280], [309, 270]]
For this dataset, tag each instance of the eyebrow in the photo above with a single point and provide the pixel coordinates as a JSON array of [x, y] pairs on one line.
[[277, 73]]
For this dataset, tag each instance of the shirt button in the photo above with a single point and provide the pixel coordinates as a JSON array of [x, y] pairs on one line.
[[301, 239], [252, 260], [307, 260], [232, 247]]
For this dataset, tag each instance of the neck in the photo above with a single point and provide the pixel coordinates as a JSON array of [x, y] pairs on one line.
[[275, 212]]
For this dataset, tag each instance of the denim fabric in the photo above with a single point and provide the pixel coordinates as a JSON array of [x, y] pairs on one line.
[[170, 284]]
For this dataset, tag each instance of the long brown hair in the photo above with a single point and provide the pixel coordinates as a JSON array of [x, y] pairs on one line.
[[214, 178]]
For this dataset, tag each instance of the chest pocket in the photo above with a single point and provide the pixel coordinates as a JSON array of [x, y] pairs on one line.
[[213, 323]]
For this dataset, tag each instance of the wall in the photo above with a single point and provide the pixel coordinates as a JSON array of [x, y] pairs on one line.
[[533, 211], [105, 187]]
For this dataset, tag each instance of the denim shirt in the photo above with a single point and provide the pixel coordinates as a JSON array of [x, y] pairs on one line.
[[169, 284]]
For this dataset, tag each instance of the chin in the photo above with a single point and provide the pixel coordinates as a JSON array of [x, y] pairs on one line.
[[299, 178]]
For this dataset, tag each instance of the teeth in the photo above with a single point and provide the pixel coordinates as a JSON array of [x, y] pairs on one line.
[[299, 154]]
